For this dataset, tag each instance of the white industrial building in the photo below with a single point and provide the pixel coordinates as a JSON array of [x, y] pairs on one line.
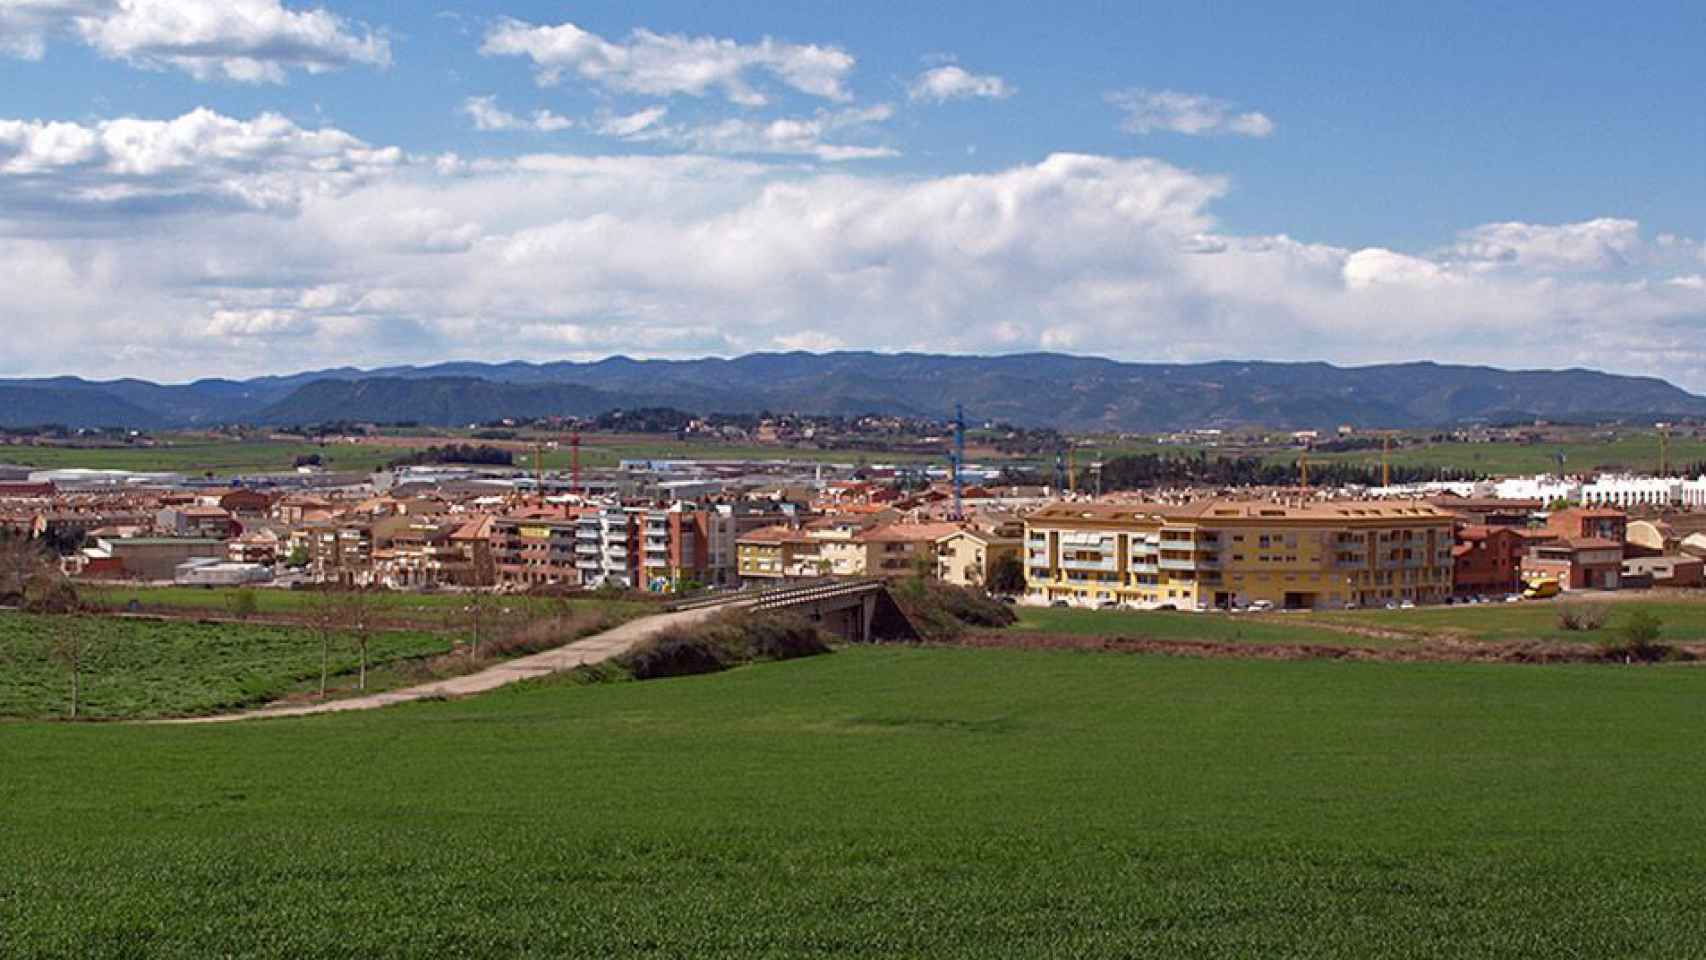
[[1624, 491]]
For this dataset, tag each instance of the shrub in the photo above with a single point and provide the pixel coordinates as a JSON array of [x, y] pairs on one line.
[[675, 653], [243, 604], [940, 611], [1639, 638], [726, 640], [48, 592], [1588, 617]]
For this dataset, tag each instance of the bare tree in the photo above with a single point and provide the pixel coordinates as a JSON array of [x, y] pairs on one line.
[[72, 647], [358, 611], [21, 560], [325, 617]]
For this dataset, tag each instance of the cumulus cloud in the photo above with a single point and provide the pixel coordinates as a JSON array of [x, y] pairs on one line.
[[1593, 244], [201, 158], [952, 82], [786, 136], [1150, 111], [488, 116], [673, 64], [417, 259], [250, 41]]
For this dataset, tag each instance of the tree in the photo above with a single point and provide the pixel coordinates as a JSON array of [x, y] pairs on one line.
[[1005, 577], [298, 558], [72, 647], [358, 611], [20, 560], [49, 591], [325, 616]]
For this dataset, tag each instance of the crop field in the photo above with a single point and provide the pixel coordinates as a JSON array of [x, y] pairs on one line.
[[139, 669], [891, 802], [417, 609]]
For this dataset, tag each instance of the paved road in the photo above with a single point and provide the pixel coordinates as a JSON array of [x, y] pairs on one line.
[[594, 649]]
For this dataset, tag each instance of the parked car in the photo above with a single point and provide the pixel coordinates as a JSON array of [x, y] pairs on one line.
[[1261, 606], [1060, 604], [1407, 605]]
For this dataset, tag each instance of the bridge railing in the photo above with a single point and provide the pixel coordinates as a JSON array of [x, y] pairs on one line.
[[771, 598]]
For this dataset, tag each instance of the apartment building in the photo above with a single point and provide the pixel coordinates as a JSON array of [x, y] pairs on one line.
[[535, 552], [1224, 552]]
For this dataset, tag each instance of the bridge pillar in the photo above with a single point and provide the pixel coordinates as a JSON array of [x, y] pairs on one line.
[[867, 614]]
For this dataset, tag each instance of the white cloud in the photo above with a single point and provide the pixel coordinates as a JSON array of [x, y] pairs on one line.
[[631, 124], [786, 136], [418, 259], [250, 41], [1149, 111], [488, 116], [201, 158], [952, 82], [670, 64], [1593, 244]]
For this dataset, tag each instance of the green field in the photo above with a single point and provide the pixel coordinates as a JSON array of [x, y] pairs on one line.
[[418, 609], [1639, 453], [137, 669], [891, 802], [1213, 627], [1682, 621], [201, 456]]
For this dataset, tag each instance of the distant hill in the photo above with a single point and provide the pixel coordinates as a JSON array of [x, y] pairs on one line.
[[38, 406], [441, 401], [1074, 393]]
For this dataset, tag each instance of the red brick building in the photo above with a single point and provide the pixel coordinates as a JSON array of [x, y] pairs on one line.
[[1487, 560]]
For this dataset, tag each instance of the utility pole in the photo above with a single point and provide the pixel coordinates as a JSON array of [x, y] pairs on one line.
[[1664, 448], [575, 462], [1386, 460], [1303, 467]]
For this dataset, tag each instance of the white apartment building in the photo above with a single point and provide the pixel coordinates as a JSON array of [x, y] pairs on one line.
[[1624, 492]]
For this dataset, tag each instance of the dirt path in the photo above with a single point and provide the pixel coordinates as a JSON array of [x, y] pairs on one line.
[[594, 649]]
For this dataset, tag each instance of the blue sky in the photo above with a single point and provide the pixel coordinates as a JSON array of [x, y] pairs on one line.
[[194, 188]]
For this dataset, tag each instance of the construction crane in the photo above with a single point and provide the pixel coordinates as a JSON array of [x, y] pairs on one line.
[[539, 470], [1096, 472], [575, 463], [959, 462], [1059, 471]]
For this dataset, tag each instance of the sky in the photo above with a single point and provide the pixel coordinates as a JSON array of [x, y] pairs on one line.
[[196, 188]]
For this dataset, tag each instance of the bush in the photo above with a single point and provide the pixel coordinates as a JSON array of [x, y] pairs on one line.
[[49, 592], [729, 639], [941, 611], [1581, 618], [243, 604], [675, 653], [1639, 638]]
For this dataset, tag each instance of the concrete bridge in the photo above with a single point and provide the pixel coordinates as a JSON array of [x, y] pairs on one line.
[[857, 611]]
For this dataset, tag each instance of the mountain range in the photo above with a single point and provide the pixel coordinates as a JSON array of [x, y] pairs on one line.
[[1039, 389]]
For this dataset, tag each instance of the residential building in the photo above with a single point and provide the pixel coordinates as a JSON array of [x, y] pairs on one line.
[[529, 552], [1231, 552], [902, 549], [1578, 522], [778, 553], [1487, 560], [965, 557]]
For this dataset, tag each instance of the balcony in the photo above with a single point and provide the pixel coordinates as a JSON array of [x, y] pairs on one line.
[[1101, 566], [1182, 565], [1144, 567]]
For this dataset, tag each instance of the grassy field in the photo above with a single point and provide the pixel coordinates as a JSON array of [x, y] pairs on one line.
[[891, 802], [1683, 621], [1638, 452], [138, 669], [199, 456], [1203, 627], [419, 609]]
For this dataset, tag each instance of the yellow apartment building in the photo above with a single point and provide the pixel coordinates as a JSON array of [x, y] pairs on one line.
[[1222, 553]]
